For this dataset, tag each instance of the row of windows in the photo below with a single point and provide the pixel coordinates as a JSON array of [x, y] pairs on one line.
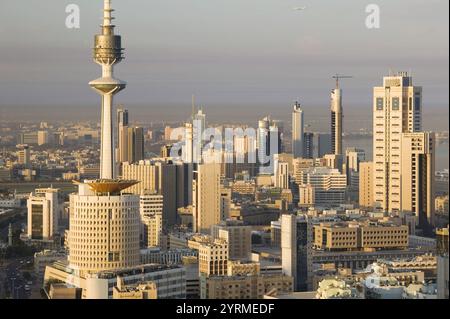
[[106, 204]]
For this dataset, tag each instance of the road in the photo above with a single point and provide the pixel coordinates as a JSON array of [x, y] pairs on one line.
[[12, 281]]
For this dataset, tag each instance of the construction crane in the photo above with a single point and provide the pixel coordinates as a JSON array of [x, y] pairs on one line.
[[338, 76]]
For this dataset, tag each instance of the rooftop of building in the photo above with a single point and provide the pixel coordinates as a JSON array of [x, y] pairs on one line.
[[122, 272]]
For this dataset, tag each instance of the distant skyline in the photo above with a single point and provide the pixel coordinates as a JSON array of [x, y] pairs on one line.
[[228, 53]]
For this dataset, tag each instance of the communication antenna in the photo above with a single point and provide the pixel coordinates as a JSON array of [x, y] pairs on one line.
[[338, 77]]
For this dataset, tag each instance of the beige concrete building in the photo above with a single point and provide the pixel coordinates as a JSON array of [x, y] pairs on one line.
[[244, 187], [152, 230], [62, 291], [145, 172], [43, 213], [282, 175], [206, 197], [366, 184], [213, 258], [307, 195], [146, 290], [238, 237], [243, 287], [165, 177], [299, 165], [357, 236], [417, 178], [24, 155], [329, 185], [151, 203], [42, 137], [238, 268], [334, 161], [397, 109], [264, 180]]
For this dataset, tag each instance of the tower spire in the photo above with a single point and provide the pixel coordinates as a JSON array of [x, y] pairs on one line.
[[107, 13], [108, 51]]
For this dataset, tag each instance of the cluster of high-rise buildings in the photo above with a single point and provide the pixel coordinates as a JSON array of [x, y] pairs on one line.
[[182, 226]]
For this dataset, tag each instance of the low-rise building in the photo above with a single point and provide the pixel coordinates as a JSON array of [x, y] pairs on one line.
[[356, 236], [243, 287], [170, 280], [147, 290]]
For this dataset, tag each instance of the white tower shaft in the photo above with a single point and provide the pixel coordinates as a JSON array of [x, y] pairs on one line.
[[107, 142], [107, 53]]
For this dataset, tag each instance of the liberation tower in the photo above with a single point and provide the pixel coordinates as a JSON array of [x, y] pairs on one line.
[[114, 245], [108, 51]]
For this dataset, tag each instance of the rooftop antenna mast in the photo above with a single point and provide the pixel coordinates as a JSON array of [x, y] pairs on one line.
[[338, 77]]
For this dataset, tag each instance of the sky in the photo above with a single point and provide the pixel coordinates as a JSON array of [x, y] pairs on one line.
[[229, 53]]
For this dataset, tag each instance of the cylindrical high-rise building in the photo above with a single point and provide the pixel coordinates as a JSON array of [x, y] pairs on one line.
[[298, 127], [108, 51], [104, 227]]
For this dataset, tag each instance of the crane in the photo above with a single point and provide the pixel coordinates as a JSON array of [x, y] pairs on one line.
[[338, 76]]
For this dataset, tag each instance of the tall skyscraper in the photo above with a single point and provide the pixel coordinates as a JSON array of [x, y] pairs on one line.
[[298, 127], [321, 144], [353, 157], [296, 250], [268, 144], [122, 135], [366, 184], [206, 197], [336, 121], [122, 117], [171, 179], [188, 156], [108, 51], [417, 182], [43, 214], [397, 109], [146, 172], [308, 145], [167, 186], [135, 144], [199, 126]]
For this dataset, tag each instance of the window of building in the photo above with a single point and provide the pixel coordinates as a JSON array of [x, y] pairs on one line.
[[379, 103], [395, 103]]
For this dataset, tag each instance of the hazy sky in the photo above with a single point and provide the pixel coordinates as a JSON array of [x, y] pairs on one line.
[[227, 52]]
